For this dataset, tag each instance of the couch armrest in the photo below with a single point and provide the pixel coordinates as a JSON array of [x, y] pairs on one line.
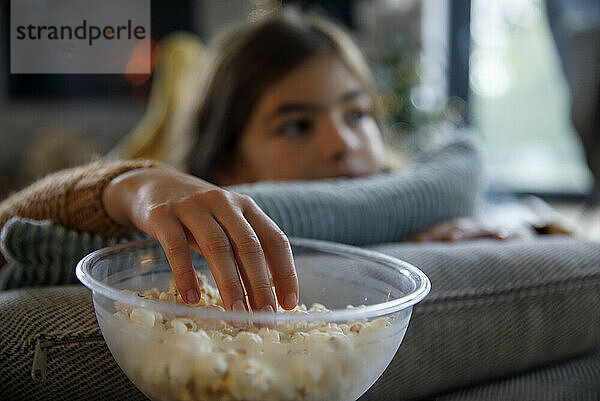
[[495, 308]]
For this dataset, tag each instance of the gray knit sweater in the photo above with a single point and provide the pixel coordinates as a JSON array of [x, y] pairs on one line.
[[438, 186]]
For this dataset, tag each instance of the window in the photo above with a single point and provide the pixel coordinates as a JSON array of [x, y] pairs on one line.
[[520, 103]]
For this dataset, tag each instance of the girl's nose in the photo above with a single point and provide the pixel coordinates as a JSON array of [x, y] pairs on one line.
[[338, 141]]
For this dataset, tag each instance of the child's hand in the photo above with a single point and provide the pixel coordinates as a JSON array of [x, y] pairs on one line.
[[179, 211], [467, 229]]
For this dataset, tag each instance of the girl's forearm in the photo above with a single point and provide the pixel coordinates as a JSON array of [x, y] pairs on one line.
[[72, 197]]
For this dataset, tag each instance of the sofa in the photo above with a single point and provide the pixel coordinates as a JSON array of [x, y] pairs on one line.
[[515, 320]]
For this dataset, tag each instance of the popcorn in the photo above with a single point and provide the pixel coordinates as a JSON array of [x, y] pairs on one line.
[[179, 373], [222, 337], [247, 342], [379, 324], [210, 365], [155, 372], [188, 358], [249, 380], [356, 328], [143, 316], [334, 331], [269, 335], [306, 375], [248, 339], [183, 325], [299, 337], [316, 336], [151, 293], [340, 342], [316, 307], [196, 342], [171, 298], [344, 328]]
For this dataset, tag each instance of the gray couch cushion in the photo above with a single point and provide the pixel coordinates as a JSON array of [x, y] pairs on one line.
[[575, 379], [82, 369], [495, 309]]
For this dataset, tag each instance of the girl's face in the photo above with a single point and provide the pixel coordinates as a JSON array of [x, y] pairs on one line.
[[317, 122]]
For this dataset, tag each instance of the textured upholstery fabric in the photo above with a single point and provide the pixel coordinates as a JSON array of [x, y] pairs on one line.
[[494, 309], [45, 253], [575, 379], [82, 370]]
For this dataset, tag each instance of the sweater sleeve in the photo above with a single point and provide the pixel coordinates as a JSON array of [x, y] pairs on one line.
[[72, 198], [440, 185]]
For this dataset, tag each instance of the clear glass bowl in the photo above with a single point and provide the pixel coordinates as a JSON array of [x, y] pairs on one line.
[[179, 352]]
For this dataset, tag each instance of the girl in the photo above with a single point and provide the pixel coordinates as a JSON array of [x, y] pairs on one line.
[[288, 98]]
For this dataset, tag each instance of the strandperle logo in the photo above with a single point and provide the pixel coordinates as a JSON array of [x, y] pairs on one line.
[[83, 32], [80, 36]]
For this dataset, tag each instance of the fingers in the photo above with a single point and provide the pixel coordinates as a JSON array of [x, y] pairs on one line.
[[250, 257], [236, 238], [461, 230], [244, 234], [215, 246], [440, 232], [278, 253], [169, 233]]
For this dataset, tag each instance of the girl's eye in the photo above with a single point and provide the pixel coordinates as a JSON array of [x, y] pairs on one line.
[[354, 116], [296, 128]]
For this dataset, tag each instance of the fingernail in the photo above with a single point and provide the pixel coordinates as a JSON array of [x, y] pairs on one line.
[[192, 296], [290, 300], [238, 306], [266, 322]]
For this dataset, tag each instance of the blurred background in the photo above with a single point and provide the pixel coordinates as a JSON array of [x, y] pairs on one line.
[[523, 73]]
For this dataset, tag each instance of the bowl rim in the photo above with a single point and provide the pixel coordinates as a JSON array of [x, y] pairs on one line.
[[422, 288]]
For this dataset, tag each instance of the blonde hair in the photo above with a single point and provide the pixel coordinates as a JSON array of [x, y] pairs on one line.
[[245, 62]]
